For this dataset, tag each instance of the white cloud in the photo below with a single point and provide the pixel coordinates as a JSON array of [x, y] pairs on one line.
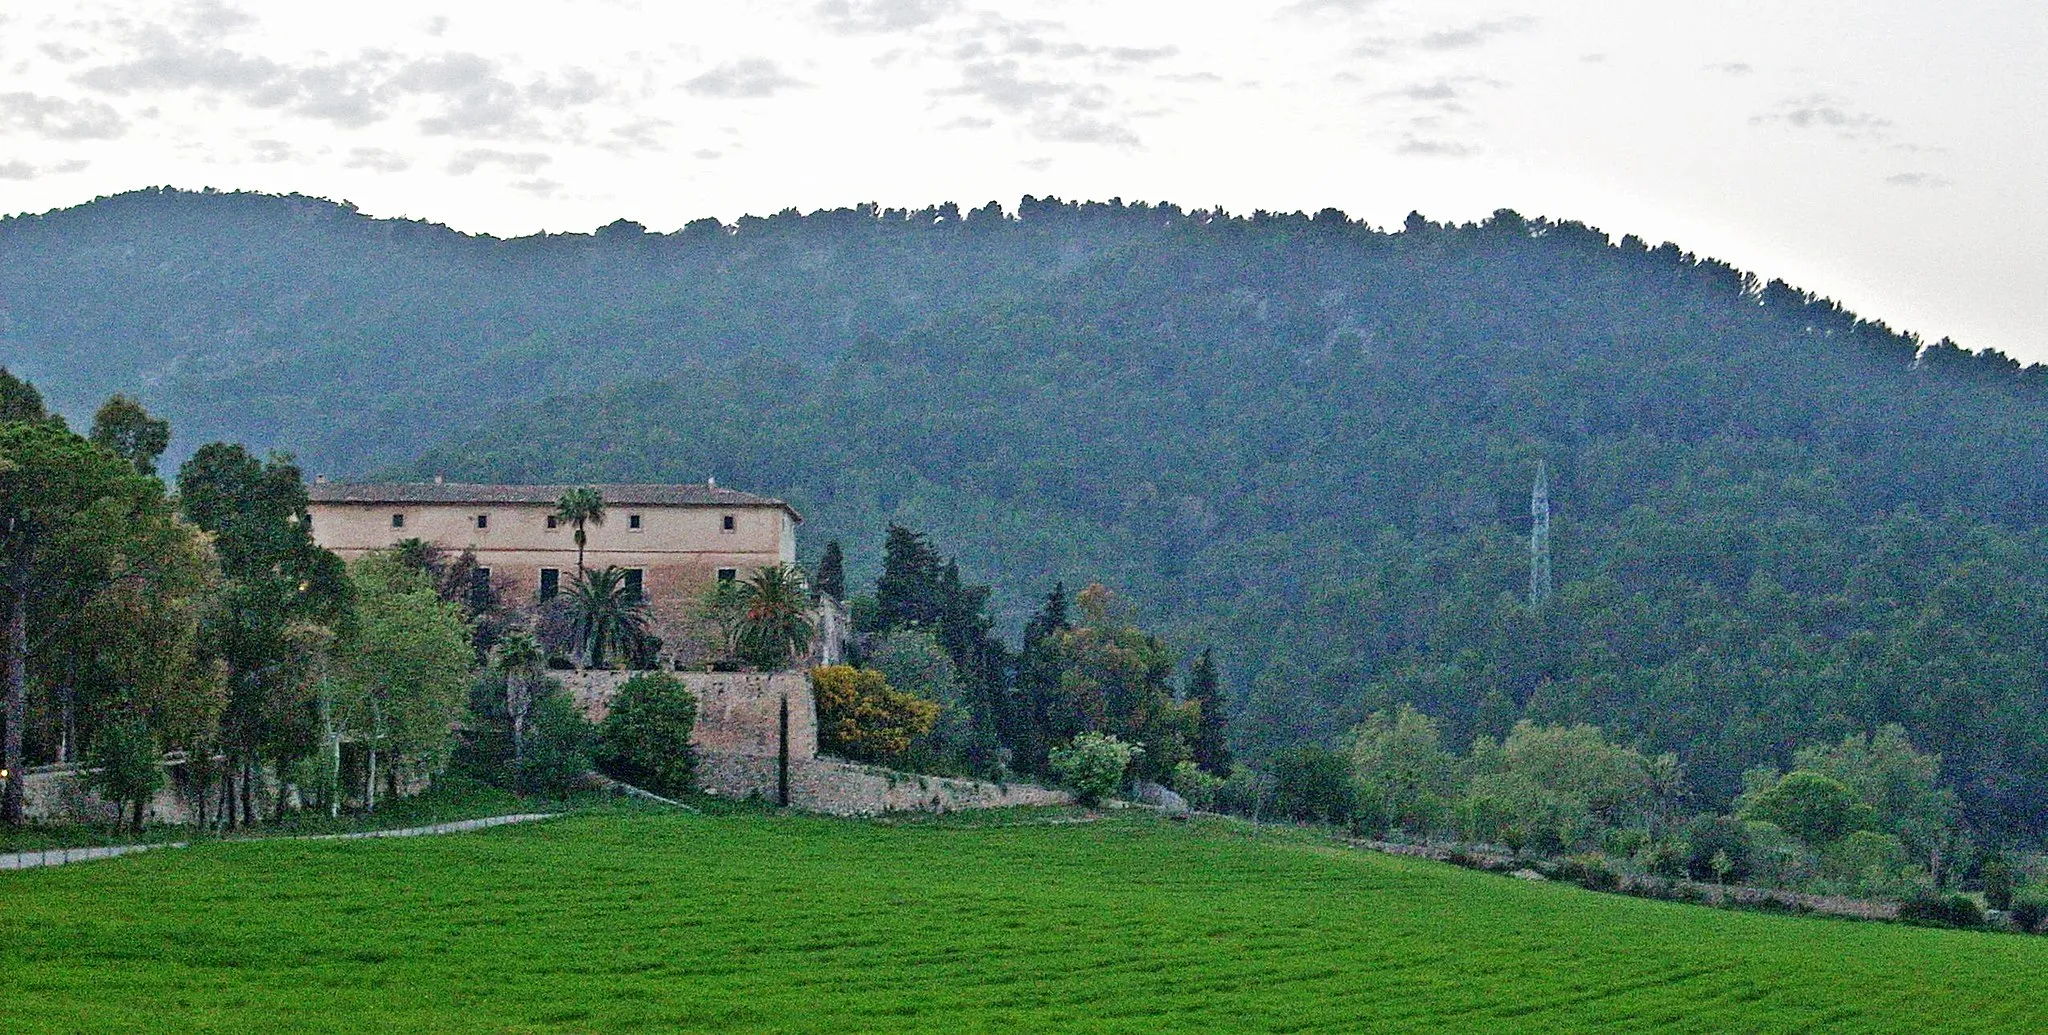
[[745, 78]]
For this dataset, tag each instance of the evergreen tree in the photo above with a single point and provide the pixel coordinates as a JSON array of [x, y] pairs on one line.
[[907, 594], [1205, 689], [832, 572], [1028, 729]]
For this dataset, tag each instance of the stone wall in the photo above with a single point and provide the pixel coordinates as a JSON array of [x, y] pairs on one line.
[[58, 794], [738, 713], [839, 788]]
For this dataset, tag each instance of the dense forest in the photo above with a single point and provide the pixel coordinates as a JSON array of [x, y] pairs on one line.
[[1303, 440]]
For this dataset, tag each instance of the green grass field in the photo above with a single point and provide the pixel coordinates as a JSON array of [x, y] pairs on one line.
[[623, 919]]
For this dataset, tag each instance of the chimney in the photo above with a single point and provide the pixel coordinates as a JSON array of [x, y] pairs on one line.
[[437, 479], [710, 482], [319, 479]]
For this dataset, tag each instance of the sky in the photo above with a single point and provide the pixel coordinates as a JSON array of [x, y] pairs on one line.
[[1886, 154]]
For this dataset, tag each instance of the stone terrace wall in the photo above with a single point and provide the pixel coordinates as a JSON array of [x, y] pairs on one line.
[[838, 788], [738, 713]]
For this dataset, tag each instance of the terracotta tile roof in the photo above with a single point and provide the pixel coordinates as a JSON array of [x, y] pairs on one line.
[[694, 495]]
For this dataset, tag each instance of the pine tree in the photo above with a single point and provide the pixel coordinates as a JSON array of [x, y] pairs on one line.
[[1205, 687]]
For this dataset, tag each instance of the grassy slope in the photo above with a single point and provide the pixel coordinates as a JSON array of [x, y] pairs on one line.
[[611, 921]]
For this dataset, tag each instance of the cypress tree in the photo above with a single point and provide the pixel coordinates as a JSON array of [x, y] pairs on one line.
[[1211, 746], [831, 579]]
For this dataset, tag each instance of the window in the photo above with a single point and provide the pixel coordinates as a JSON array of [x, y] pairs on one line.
[[635, 583], [479, 586], [554, 522], [398, 520], [632, 522], [550, 584], [729, 523], [728, 574], [483, 521]]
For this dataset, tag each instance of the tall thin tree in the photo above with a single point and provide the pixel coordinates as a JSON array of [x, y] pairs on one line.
[[581, 507]]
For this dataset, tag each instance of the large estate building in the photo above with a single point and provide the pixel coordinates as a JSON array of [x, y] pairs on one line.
[[672, 541]]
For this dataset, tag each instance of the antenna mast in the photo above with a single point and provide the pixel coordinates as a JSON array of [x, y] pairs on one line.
[[1539, 538]]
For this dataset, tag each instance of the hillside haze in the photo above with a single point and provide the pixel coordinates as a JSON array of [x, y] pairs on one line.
[[1302, 440]]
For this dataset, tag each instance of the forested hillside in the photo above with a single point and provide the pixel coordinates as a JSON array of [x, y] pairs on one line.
[[1301, 440]]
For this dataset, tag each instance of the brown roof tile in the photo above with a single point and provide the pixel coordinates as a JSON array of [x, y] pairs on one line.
[[695, 495]]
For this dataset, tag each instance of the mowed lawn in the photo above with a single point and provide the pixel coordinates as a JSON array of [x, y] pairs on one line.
[[623, 921]]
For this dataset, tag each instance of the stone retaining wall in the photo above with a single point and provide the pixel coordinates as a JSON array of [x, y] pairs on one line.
[[738, 713], [839, 788]]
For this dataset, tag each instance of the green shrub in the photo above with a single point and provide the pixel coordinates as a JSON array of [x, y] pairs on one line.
[[1245, 792], [645, 738], [1198, 786], [1313, 783], [1937, 910], [1997, 883], [1717, 849], [123, 766], [2029, 910], [1093, 765], [1813, 808], [559, 742]]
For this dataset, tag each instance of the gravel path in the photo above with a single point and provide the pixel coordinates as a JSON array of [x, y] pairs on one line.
[[61, 856]]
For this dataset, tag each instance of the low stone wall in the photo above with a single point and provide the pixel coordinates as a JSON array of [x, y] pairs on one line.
[[58, 794], [738, 713], [54, 794], [839, 788]]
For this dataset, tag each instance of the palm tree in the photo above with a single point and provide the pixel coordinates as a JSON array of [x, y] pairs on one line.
[[521, 659], [603, 612], [578, 507], [777, 626]]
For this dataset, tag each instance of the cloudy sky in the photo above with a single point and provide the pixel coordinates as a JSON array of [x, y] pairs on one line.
[[1885, 153]]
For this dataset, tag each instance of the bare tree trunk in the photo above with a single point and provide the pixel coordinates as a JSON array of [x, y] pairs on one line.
[[67, 727], [519, 694], [140, 805], [370, 785], [14, 805], [228, 815], [249, 774]]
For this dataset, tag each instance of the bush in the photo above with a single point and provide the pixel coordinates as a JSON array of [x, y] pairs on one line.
[[1093, 765], [863, 718], [1245, 792], [1997, 883], [645, 738], [1313, 783], [123, 766], [1717, 849], [2028, 912], [1199, 787], [1816, 809], [1936, 910], [559, 741]]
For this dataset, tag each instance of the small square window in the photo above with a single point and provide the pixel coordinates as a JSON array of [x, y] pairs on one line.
[[550, 584], [483, 521], [633, 522], [729, 523], [554, 522], [728, 574], [398, 520]]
